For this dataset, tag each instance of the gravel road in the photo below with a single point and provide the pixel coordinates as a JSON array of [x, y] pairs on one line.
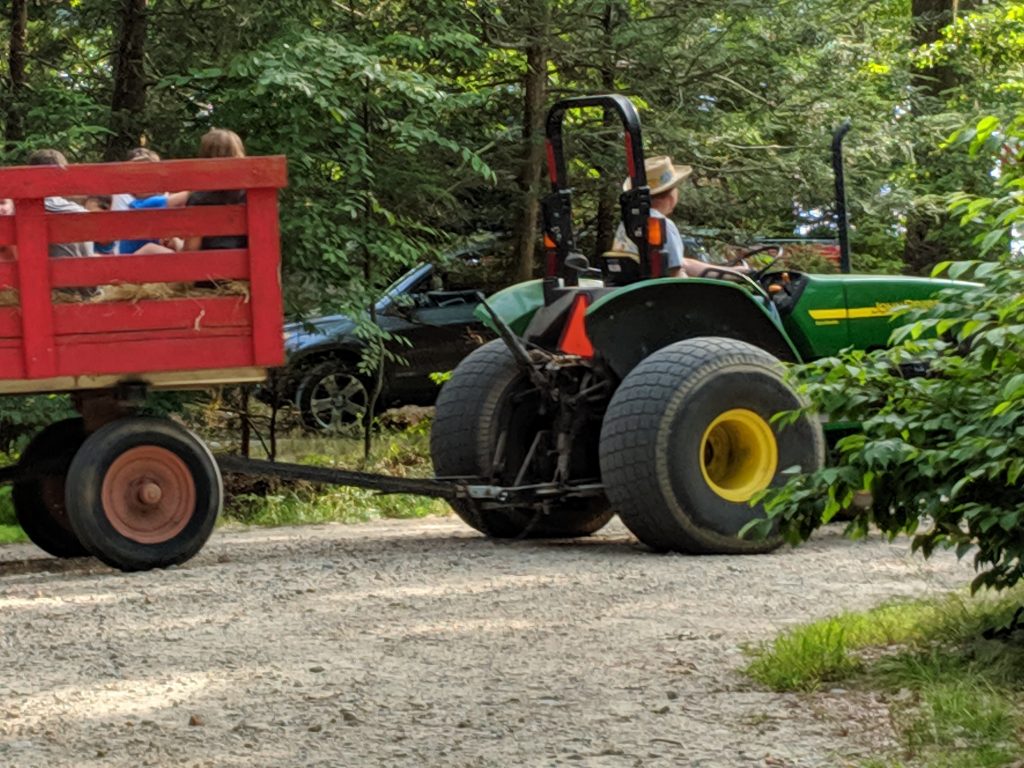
[[418, 643]]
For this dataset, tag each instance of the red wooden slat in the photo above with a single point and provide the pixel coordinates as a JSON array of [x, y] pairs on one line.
[[12, 362], [147, 224], [265, 277], [193, 315], [170, 175], [153, 337], [10, 328], [110, 354], [34, 288], [8, 274], [6, 229], [184, 267]]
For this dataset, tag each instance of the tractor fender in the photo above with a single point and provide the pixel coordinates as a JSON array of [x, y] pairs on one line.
[[517, 304], [629, 324]]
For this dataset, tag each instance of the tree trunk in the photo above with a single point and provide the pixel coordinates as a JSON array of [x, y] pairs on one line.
[[928, 17], [607, 207], [921, 248], [14, 125], [535, 87], [129, 98]]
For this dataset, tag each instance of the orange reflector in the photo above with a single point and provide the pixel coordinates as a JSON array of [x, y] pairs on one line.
[[655, 232], [549, 242], [574, 339]]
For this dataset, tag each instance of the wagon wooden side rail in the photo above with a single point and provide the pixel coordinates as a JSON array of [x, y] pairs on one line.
[[78, 342], [134, 491]]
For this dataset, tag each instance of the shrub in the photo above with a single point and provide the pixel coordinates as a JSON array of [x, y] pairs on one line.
[[942, 454]]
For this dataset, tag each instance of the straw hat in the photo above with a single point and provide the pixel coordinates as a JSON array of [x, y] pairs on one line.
[[661, 174]]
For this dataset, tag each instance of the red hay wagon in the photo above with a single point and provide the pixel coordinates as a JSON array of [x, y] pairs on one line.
[[136, 492]]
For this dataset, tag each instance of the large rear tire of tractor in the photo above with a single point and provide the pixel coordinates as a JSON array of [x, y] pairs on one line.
[[490, 400], [687, 442], [39, 502], [143, 493]]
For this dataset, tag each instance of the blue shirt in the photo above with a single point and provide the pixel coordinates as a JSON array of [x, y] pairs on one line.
[[156, 201]]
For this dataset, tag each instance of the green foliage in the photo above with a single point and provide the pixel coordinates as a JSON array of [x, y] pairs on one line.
[[955, 696], [23, 417], [403, 120], [942, 454]]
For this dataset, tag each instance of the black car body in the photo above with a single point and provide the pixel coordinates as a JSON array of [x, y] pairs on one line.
[[434, 329]]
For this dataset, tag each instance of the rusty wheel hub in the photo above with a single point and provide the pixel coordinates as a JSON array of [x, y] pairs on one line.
[[149, 494]]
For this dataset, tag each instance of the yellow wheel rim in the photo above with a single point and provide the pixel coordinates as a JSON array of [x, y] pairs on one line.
[[738, 455]]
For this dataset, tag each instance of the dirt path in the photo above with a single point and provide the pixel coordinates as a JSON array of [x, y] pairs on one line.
[[420, 644]]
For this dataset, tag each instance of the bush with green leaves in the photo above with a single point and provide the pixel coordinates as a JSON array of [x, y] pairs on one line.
[[942, 454]]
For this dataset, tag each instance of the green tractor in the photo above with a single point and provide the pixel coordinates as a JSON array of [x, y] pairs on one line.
[[618, 391]]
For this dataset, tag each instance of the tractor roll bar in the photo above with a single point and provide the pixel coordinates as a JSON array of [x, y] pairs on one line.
[[630, 122], [559, 240]]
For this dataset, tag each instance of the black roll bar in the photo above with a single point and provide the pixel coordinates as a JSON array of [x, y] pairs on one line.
[[559, 239]]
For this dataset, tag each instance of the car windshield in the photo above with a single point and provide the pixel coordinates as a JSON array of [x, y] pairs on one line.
[[400, 286]]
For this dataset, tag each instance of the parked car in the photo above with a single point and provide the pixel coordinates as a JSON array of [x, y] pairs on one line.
[[437, 329]]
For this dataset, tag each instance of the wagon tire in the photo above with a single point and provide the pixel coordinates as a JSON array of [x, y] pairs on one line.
[[473, 408], [688, 441], [143, 493], [39, 503]]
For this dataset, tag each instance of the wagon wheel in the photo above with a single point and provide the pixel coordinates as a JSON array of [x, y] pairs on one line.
[[39, 502], [143, 493]]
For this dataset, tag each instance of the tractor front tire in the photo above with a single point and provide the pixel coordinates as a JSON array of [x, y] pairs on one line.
[[687, 442], [39, 502], [143, 493], [488, 400]]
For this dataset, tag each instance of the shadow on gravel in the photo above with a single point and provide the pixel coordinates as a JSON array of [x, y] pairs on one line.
[[85, 566], [272, 544]]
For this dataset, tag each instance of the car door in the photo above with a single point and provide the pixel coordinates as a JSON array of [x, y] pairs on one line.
[[440, 334]]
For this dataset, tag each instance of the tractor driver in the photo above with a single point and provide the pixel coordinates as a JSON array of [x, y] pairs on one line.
[[664, 179]]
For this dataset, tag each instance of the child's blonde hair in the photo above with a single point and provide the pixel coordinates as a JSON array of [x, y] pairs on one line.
[[220, 142]]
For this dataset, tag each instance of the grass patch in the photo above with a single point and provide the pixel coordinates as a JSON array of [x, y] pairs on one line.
[[404, 453], [957, 698], [11, 534], [10, 531]]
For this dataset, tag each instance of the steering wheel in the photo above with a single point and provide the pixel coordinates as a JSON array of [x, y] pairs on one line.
[[736, 277], [742, 258]]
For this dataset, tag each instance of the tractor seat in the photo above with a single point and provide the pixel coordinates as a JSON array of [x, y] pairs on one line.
[[620, 268], [623, 267]]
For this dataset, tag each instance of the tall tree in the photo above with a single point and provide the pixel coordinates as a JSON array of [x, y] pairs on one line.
[[14, 127], [924, 246], [129, 92]]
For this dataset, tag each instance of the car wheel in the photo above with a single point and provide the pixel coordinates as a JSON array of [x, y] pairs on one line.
[[331, 396]]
